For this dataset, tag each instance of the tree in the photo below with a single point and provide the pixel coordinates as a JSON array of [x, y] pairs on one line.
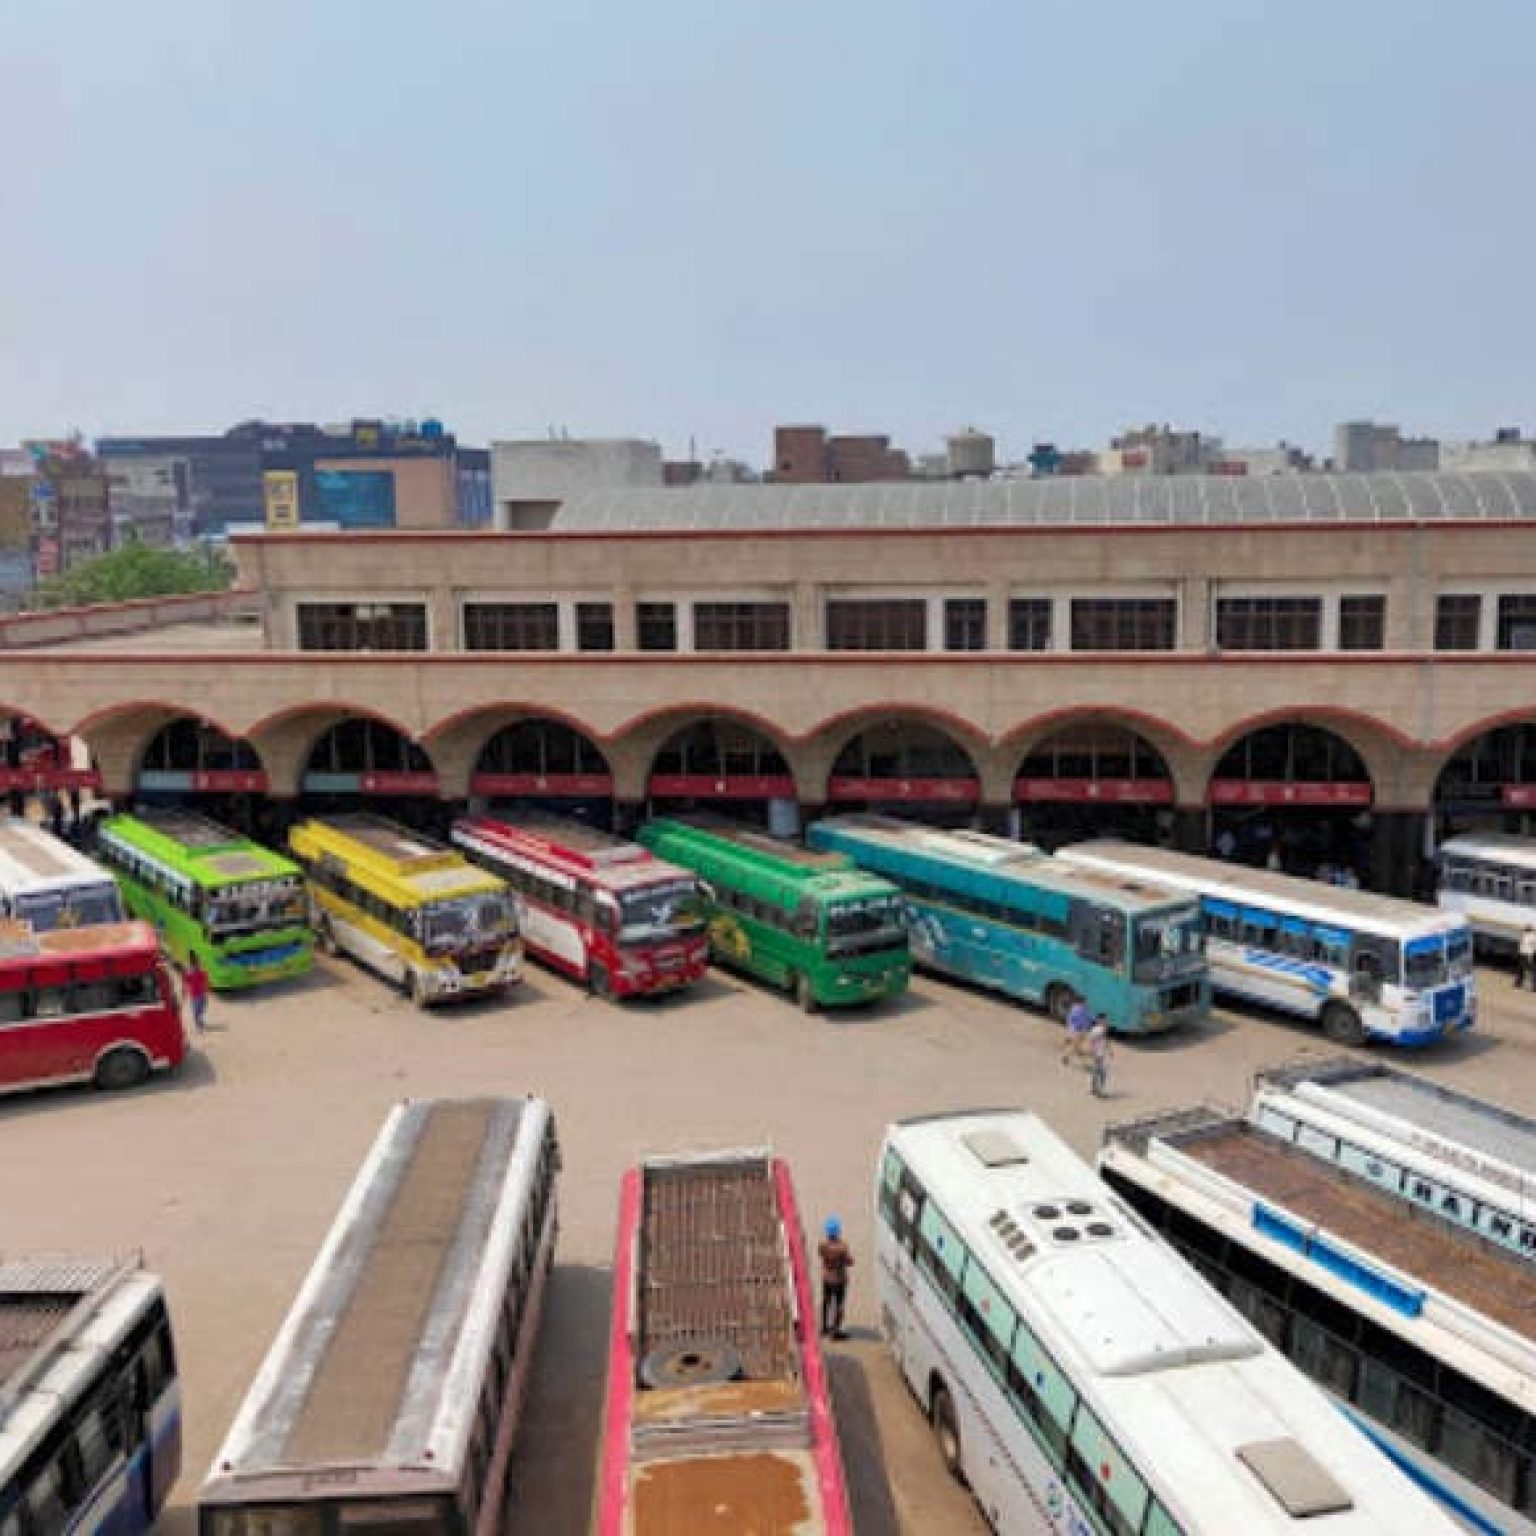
[[136, 570]]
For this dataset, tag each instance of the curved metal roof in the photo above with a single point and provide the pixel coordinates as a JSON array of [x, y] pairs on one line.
[[1068, 500]]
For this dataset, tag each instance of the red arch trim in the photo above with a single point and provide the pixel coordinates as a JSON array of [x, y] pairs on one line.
[[511, 714], [171, 711], [329, 714], [1323, 717], [690, 714], [1053, 721], [946, 721], [1451, 745]]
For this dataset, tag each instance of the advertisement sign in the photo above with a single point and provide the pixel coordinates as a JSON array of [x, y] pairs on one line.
[[575, 785], [398, 783], [1106, 791], [280, 495], [1519, 796], [741, 786], [963, 791], [1287, 792]]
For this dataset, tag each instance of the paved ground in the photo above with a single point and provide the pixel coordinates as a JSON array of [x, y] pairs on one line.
[[228, 1177]]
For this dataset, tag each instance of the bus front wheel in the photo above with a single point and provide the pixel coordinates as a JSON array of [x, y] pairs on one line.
[[1342, 1025], [600, 982], [946, 1430], [804, 996], [417, 987], [121, 1068], [1058, 1001]]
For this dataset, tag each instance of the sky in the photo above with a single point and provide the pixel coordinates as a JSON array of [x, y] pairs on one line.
[[693, 219]]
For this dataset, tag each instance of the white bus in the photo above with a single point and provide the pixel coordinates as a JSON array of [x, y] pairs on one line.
[[1078, 1376], [1421, 1332], [1470, 1162], [1489, 878], [389, 1400], [45, 882], [90, 1406], [1365, 967]]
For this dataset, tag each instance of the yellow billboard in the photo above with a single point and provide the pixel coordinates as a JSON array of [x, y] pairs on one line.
[[280, 492]]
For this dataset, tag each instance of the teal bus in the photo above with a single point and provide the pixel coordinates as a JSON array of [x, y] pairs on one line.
[[1006, 916], [237, 906], [811, 923]]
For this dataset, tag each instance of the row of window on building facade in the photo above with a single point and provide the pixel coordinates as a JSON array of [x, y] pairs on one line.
[[1303, 623]]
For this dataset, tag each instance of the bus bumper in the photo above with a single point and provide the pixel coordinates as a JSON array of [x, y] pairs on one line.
[[865, 986], [232, 974]]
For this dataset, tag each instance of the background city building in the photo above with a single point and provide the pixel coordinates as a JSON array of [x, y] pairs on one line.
[[531, 476], [1367, 448]]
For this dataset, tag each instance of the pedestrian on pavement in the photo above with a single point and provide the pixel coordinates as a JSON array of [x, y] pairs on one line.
[[1098, 1055], [197, 991], [1079, 1022], [1525, 959], [836, 1260]]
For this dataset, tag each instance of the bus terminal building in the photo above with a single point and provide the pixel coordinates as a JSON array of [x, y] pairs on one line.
[[1323, 669]]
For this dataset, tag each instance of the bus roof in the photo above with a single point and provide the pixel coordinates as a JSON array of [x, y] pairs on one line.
[[418, 867], [1024, 865], [1149, 1343], [391, 1331], [209, 855], [61, 946], [1500, 847], [32, 860], [559, 847], [1364, 910]]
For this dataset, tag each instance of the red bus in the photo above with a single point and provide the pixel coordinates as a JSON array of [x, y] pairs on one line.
[[719, 1415], [605, 911], [86, 1005]]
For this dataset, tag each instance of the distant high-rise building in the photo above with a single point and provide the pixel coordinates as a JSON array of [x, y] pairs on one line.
[[808, 456], [1509, 450], [1159, 450], [1368, 447]]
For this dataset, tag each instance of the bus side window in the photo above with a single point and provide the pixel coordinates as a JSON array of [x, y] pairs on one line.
[[13, 1008], [49, 1002]]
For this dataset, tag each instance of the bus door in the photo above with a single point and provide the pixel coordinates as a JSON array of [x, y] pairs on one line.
[[1372, 961], [901, 1325]]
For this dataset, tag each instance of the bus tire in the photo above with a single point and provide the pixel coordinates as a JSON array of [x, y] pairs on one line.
[[1058, 1001], [805, 998], [416, 986], [1342, 1025], [946, 1431], [600, 982], [122, 1067]]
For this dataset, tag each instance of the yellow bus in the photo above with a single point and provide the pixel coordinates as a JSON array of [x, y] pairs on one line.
[[407, 907]]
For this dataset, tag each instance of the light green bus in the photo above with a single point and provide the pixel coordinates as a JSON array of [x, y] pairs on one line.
[[811, 923], [237, 906]]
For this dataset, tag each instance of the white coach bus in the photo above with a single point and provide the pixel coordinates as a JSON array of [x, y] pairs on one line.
[[389, 1400], [48, 884], [1365, 967], [1489, 878], [1078, 1375]]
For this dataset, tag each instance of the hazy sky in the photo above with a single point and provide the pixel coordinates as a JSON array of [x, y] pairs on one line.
[[1049, 217]]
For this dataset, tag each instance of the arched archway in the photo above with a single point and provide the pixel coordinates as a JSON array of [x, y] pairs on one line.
[[1294, 794], [193, 760], [1489, 782], [907, 766], [724, 762], [363, 760], [1093, 778], [35, 760], [548, 761]]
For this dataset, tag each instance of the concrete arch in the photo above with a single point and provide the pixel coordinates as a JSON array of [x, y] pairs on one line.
[[213, 726], [117, 735], [1386, 752], [1182, 755], [284, 741], [1440, 762], [835, 735], [1450, 745], [456, 742], [633, 748]]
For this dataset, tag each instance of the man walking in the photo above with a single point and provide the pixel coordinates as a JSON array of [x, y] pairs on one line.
[[836, 1260], [1525, 959], [197, 991], [1098, 1057], [1079, 1022]]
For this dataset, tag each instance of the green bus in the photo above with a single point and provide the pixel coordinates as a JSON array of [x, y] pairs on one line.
[[811, 923], [237, 906]]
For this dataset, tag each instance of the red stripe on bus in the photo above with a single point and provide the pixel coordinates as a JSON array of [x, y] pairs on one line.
[[824, 1448], [613, 1474]]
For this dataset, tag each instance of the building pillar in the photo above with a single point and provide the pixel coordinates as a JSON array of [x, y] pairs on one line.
[[1397, 854], [443, 620], [806, 628], [1195, 615], [627, 816], [996, 819], [623, 619], [1190, 829]]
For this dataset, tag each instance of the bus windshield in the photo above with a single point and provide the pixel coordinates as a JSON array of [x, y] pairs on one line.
[[81, 908], [254, 905], [1426, 963], [468, 920], [1167, 943], [1458, 952], [875, 922], [659, 911]]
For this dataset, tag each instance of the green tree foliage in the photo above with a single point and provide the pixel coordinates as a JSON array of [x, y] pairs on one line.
[[137, 570]]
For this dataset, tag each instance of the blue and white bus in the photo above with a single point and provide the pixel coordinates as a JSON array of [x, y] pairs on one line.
[[1365, 967], [90, 1407], [1006, 916]]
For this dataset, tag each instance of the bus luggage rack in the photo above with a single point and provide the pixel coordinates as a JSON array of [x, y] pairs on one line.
[[713, 1263], [1169, 1125]]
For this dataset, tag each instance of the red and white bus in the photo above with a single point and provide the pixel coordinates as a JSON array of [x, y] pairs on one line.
[[605, 911], [86, 1005], [719, 1415]]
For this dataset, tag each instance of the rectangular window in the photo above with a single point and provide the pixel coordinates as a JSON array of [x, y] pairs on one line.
[[877, 624], [1362, 621], [362, 626], [1029, 624], [965, 624], [1049, 1397], [939, 1250], [1124, 623], [1517, 621], [594, 626], [1106, 1476], [656, 626], [741, 626], [511, 627], [1458, 618], [1269, 623], [988, 1315]]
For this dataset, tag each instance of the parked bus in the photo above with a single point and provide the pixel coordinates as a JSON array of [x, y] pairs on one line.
[[1365, 967], [719, 1413], [48, 884], [1489, 878], [1007, 916], [407, 907], [90, 1406], [390, 1398], [86, 1005], [1077, 1375], [238, 907], [826, 932], [1470, 1162], [593, 906], [1422, 1332]]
